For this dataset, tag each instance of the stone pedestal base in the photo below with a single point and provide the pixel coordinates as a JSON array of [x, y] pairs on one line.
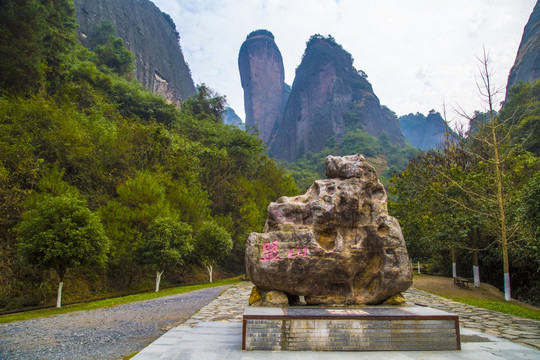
[[349, 329]]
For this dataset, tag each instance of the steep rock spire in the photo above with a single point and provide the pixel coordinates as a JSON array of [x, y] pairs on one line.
[[262, 75]]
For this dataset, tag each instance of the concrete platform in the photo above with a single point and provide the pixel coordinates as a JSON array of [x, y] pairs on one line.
[[369, 328], [223, 340]]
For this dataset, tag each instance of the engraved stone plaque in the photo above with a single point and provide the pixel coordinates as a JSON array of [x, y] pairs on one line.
[[350, 329]]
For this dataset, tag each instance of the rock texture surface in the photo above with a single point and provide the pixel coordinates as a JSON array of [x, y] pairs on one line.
[[147, 33], [527, 64], [262, 75], [328, 97], [334, 245]]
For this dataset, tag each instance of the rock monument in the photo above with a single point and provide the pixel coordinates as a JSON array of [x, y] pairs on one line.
[[335, 245]]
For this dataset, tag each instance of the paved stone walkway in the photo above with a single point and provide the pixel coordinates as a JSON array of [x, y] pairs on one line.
[[230, 305], [513, 328]]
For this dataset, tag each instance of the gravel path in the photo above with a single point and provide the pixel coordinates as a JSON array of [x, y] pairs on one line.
[[101, 334]]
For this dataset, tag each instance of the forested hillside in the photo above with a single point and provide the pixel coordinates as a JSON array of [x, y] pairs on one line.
[[107, 188], [87, 155]]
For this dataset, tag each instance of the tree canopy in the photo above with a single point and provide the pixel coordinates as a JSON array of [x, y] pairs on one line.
[[212, 244], [167, 244], [61, 233]]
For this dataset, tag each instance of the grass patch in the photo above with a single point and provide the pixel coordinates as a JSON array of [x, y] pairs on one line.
[[111, 302], [502, 306], [487, 296]]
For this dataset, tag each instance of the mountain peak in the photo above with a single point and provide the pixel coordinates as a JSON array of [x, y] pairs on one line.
[[262, 33], [328, 97], [262, 75]]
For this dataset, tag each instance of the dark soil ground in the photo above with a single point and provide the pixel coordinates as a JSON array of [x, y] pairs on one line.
[[445, 287]]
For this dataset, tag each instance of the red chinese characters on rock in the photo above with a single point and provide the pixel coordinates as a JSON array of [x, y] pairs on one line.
[[298, 253], [271, 252]]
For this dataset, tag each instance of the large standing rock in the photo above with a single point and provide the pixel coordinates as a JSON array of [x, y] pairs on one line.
[[334, 245], [262, 75]]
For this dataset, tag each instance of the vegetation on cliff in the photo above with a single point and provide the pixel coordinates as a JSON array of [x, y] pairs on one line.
[[76, 128], [149, 34], [381, 153], [525, 67]]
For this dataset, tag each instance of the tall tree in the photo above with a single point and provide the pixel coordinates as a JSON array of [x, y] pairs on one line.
[[205, 103], [140, 201], [499, 170], [61, 233], [22, 28], [212, 244], [166, 244], [58, 42], [491, 139]]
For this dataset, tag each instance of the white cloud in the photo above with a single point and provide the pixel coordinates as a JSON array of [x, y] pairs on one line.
[[415, 52]]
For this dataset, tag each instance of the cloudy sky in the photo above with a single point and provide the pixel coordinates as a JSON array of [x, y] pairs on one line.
[[418, 54]]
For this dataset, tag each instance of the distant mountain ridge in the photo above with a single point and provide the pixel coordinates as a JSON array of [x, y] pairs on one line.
[[231, 118], [150, 35], [423, 132]]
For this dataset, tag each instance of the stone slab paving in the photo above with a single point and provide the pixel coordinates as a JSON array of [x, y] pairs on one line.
[[215, 333], [513, 328], [228, 306]]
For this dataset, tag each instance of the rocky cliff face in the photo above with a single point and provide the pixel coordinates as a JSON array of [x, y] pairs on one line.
[[262, 74], [328, 97], [149, 35], [527, 65], [423, 132]]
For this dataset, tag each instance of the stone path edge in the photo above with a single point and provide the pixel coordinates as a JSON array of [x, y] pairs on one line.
[[229, 307]]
